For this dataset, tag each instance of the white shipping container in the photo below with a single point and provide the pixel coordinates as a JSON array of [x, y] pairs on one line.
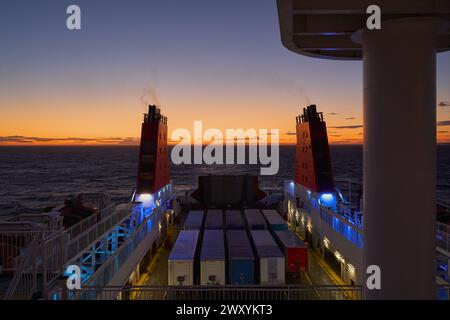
[[212, 272], [212, 258], [181, 270], [271, 260], [272, 270], [181, 259]]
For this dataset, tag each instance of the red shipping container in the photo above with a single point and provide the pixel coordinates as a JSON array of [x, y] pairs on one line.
[[295, 251]]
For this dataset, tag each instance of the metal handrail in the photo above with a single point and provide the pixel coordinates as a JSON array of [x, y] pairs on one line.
[[142, 231], [94, 233], [24, 282], [226, 292], [56, 251], [61, 250], [443, 231], [12, 242]]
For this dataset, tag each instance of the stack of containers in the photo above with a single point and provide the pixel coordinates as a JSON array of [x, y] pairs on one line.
[[275, 221], [255, 219], [271, 262], [194, 220], [212, 258], [214, 220], [182, 259], [240, 258], [295, 251], [234, 220]]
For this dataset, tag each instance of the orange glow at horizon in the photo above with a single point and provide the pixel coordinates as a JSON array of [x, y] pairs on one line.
[[108, 122]]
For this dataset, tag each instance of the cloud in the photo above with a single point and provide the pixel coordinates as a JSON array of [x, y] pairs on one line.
[[15, 139], [357, 126], [290, 133], [129, 141], [348, 141], [444, 104], [443, 131], [443, 123], [334, 113], [70, 140], [350, 118]]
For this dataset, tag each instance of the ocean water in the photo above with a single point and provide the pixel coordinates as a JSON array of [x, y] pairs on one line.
[[35, 178]]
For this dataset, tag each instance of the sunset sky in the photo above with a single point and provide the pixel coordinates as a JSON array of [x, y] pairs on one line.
[[221, 62]]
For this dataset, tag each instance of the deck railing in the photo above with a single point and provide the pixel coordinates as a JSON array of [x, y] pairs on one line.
[[107, 270], [443, 236], [238, 293], [24, 282], [14, 246], [47, 257]]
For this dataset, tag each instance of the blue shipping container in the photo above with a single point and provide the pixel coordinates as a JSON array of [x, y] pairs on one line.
[[241, 266]]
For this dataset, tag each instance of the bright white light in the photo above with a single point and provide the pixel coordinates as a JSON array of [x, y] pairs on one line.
[[339, 257], [327, 197], [351, 268], [145, 198], [326, 242]]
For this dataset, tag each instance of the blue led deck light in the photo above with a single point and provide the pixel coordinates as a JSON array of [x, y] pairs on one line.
[[328, 200]]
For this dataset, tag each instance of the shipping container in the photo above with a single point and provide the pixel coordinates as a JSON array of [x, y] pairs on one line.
[[181, 262], [295, 251], [212, 258], [194, 220], [234, 219], [241, 266], [255, 219], [214, 220], [275, 220], [271, 261]]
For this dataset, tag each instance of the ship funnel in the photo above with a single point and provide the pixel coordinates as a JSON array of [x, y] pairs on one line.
[[153, 172], [312, 159]]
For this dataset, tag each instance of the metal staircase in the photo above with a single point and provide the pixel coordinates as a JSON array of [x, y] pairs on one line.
[[93, 244]]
